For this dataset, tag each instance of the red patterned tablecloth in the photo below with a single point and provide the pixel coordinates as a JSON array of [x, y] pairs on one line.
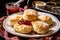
[[9, 36]]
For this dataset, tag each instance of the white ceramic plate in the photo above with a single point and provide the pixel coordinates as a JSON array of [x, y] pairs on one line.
[[52, 30]]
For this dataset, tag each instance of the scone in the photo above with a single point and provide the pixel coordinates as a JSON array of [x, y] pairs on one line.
[[16, 19], [40, 27], [46, 19], [30, 15], [22, 28]]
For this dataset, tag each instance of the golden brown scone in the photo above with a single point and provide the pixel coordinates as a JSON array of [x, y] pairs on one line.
[[46, 19], [30, 15], [40, 27], [22, 28], [16, 19]]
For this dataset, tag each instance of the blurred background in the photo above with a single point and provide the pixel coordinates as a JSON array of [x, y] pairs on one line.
[[3, 2]]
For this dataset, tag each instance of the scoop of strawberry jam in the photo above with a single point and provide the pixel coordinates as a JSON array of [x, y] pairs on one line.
[[26, 22]]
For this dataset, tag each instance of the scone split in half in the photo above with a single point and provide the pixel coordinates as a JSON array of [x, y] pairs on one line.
[[40, 27], [14, 19], [22, 28], [46, 19]]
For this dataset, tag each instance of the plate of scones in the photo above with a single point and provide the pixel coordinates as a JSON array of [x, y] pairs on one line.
[[31, 23]]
